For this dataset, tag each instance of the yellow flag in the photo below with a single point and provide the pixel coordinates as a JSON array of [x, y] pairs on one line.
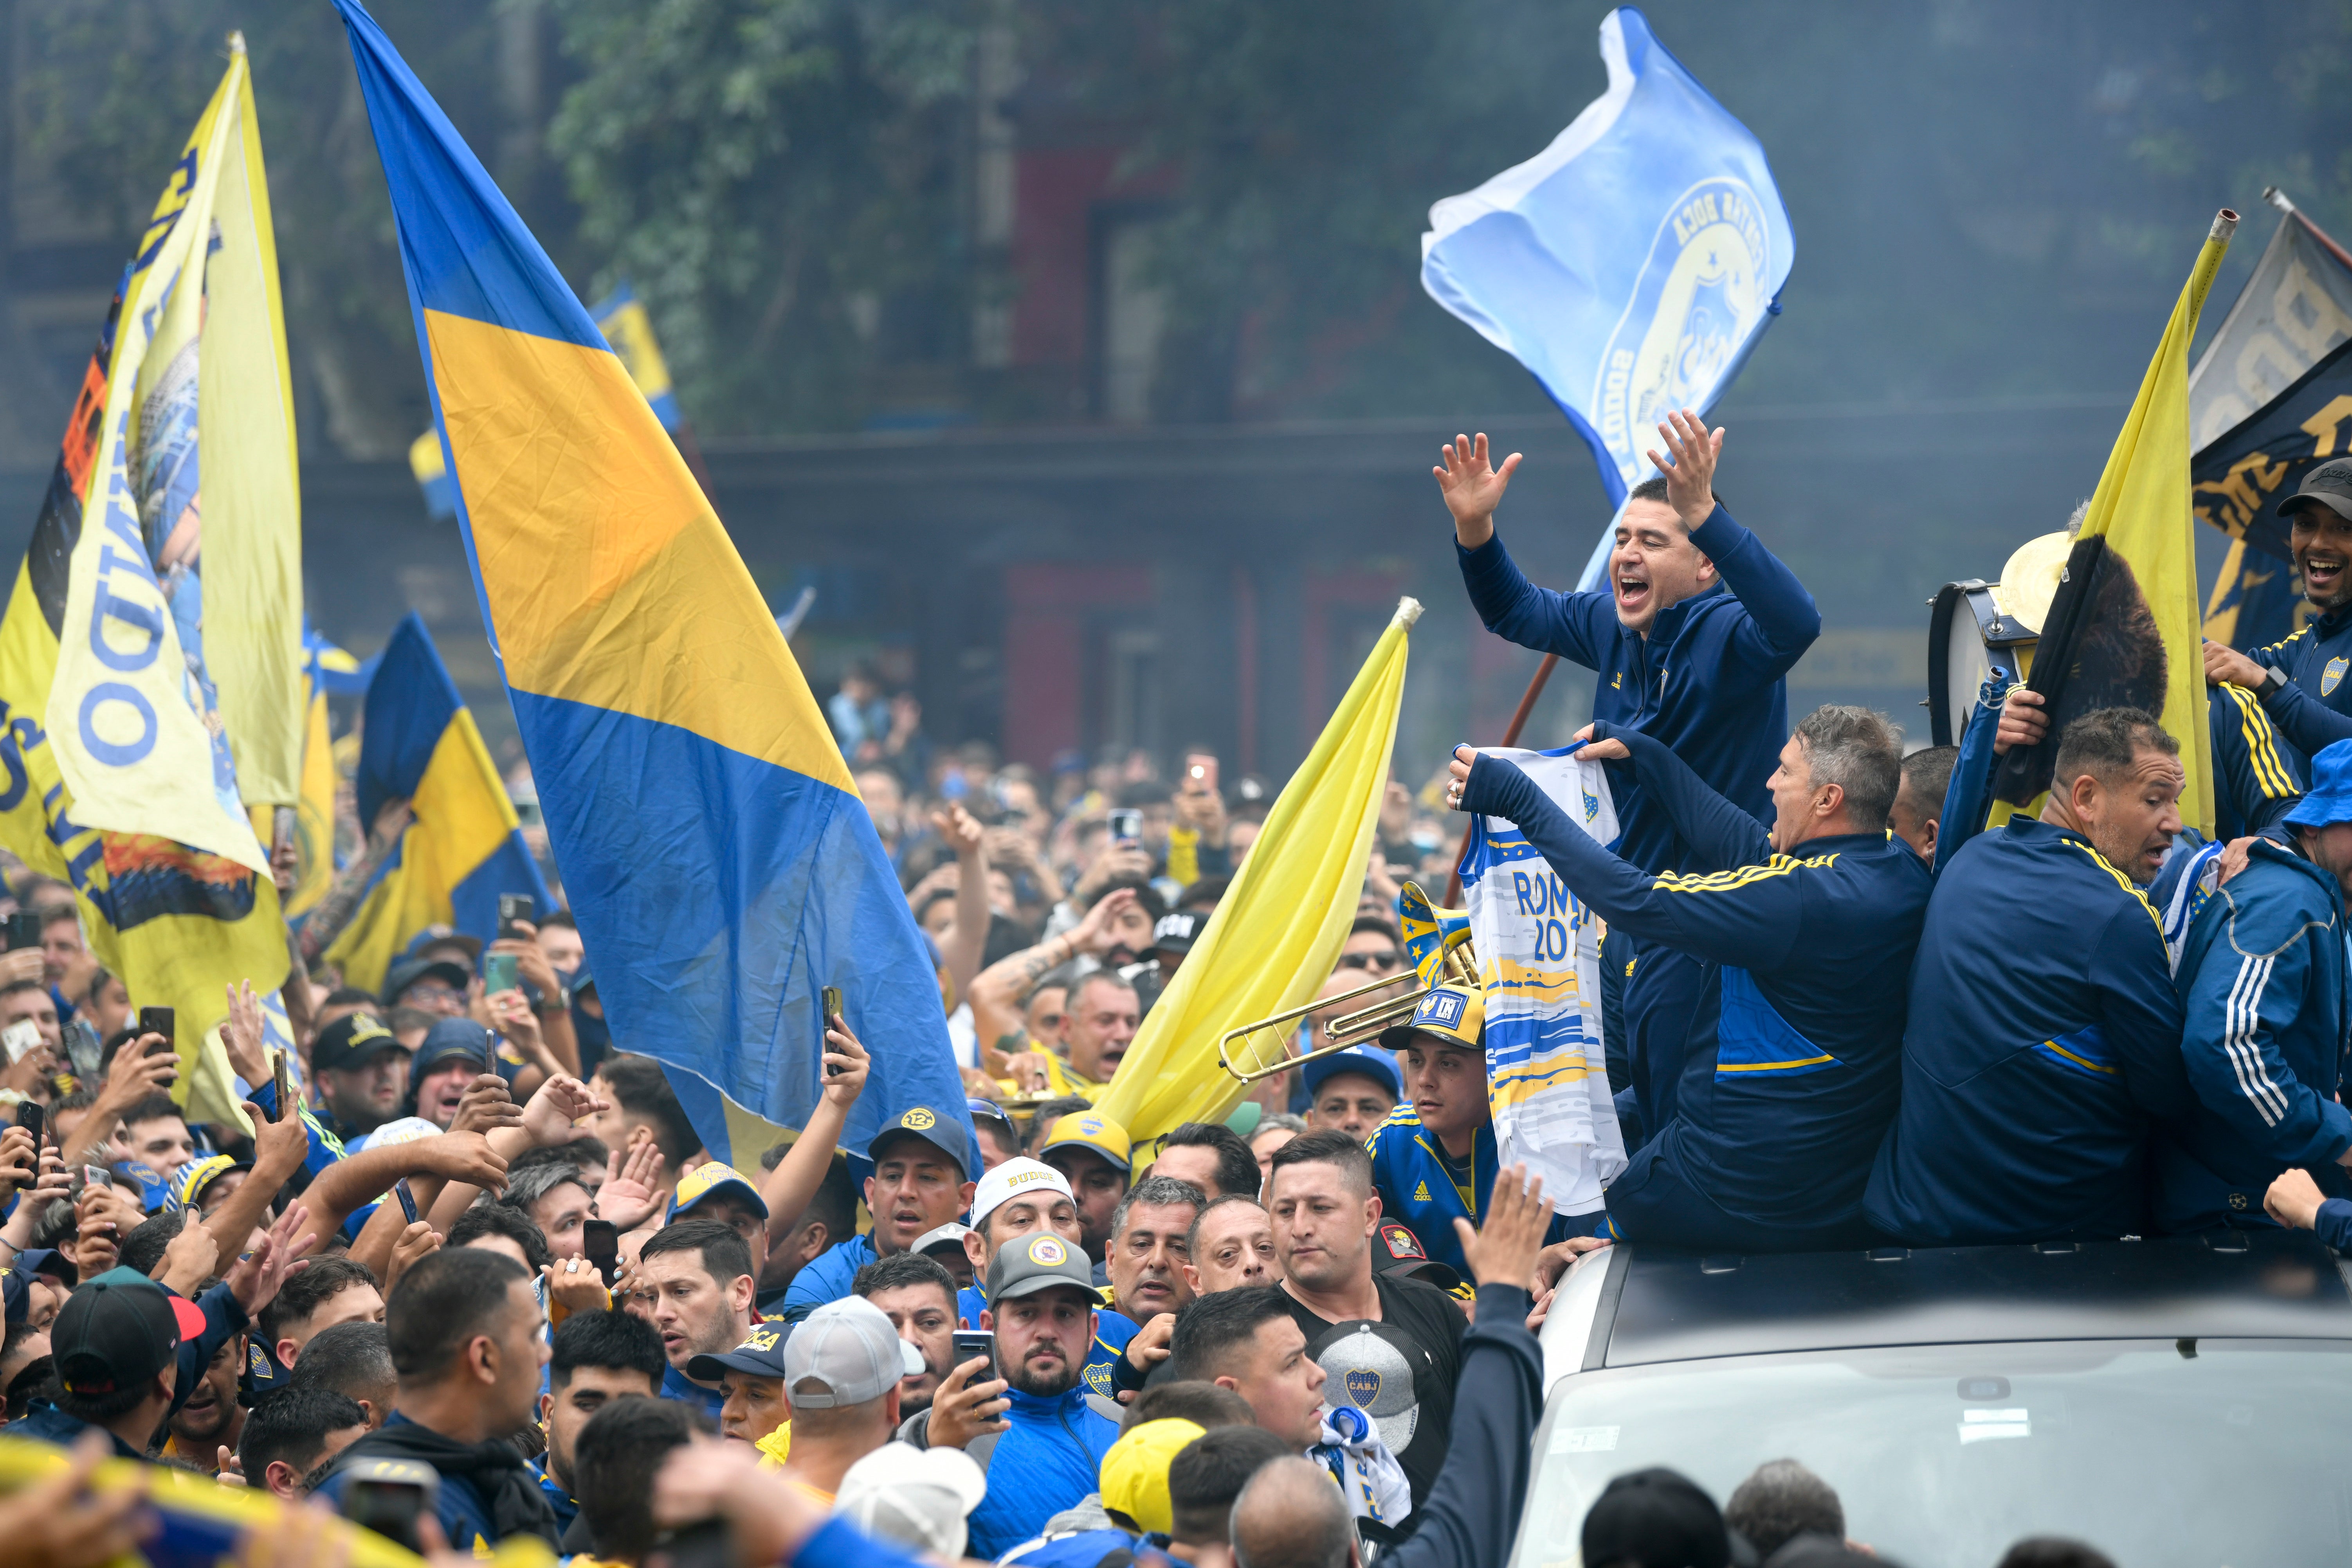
[[2125, 627], [1279, 928]]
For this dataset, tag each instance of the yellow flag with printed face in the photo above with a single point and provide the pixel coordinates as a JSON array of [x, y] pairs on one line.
[[1278, 930], [2125, 627]]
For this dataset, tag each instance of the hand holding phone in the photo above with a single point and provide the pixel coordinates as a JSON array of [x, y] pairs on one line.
[[29, 1116], [829, 999], [158, 1021], [285, 1085], [24, 929], [971, 1343], [600, 1242], [1126, 825]]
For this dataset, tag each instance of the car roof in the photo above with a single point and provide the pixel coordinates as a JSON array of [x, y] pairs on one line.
[[1660, 1306]]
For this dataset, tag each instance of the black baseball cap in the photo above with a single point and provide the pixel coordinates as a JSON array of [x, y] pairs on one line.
[[350, 1041], [761, 1356], [1396, 1250], [2330, 485], [118, 1330], [409, 970], [1177, 931]]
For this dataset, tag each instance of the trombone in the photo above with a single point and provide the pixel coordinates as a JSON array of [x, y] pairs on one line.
[[1457, 965]]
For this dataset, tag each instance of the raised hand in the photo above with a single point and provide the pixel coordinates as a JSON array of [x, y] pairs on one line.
[[2225, 665], [418, 1242], [254, 1278], [846, 1067], [24, 964], [485, 1106], [20, 1161], [1098, 933], [187, 1261], [628, 1196], [1503, 1250], [2024, 720], [1690, 477], [1473, 488], [964, 1410], [562, 1101], [241, 1035], [465, 1157], [960, 829]]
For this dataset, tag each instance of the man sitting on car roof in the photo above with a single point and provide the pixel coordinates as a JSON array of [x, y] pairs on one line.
[[2045, 1032], [2260, 974], [1794, 1055]]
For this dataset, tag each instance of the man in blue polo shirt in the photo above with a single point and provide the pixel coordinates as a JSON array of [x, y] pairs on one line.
[[1692, 641], [922, 1179]]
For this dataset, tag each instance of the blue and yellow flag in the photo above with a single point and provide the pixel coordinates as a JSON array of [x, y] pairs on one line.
[[719, 860], [418, 743], [621, 317]]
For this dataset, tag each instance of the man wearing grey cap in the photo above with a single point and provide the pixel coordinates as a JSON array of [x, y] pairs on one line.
[[841, 1366], [2302, 679], [1036, 1430]]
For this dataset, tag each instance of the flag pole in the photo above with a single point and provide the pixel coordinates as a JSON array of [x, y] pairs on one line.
[[1510, 738], [2277, 198]]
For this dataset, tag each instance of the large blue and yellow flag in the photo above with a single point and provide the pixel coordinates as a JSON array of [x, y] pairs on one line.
[[418, 743], [718, 861]]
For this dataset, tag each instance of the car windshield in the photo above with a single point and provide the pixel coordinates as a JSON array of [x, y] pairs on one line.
[[1945, 1455]]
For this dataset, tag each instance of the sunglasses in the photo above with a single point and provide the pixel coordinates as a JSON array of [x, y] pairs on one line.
[[1389, 960]]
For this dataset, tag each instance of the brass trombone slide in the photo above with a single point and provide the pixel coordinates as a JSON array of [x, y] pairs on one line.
[[1458, 968]]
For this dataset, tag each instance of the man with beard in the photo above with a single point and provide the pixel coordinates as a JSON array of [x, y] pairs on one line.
[[2043, 1030], [921, 1181], [698, 1273], [1036, 1430], [361, 1070], [454, 1052]]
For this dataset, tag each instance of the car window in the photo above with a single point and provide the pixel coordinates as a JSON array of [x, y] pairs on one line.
[[1945, 1455]]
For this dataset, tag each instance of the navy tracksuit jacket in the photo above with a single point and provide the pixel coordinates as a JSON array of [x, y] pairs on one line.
[[2044, 1034], [1793, 1059], [1708, 682], [2261, 978], [2314, 709]]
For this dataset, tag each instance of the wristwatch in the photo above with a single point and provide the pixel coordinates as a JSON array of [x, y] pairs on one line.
[[2273, 679]]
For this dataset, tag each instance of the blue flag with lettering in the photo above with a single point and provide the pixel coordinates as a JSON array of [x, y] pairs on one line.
[[1632, 264]]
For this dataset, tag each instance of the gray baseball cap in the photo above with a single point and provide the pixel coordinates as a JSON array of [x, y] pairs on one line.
[[1040, 1261], [846, 1352], [2330, 485]]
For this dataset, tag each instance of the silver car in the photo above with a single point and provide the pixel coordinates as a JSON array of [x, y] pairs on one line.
[[2176, 1402]]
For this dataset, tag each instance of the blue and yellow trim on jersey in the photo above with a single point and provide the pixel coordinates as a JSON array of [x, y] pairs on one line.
[[2272, 775]]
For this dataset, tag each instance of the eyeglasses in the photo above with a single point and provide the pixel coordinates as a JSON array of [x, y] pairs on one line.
[[1391, 959]]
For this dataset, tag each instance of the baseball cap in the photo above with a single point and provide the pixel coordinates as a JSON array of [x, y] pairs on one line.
[[919, 1496], [1135, 1471], [844, 1354], [2330, 485], [1039, 1261], [1090, 1130], [2330, 799], [155, 1193], [761, 1356], [950, 1234], [449, 1039], [118, 1331], [409, 970], [1656, 1515], [1396, 1250], [350, 1041], [714, 1179], [1379, 1065], [195, 1176], [402, 1130], [1455, 1015], [1019, 1175], [989, 1110], [942, 1129], [16, 1293], [1177, 931]]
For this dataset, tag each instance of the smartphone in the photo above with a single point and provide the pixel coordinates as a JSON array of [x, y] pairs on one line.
[[28, 1116], [970, 1342], [513, 907], [97, 1177], [389, 1495], [157, 1021], [829, 999], [1201, 769], [285, 1086], [1126, 825], [23, 929], [600, 1239], [500, 972], [19, 1039], [408, 1201]]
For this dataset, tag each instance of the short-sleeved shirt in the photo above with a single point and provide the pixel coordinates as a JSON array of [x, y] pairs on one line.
[[1399, 1370]]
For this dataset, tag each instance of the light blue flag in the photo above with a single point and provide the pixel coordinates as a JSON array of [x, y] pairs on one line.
[[1632, 264]]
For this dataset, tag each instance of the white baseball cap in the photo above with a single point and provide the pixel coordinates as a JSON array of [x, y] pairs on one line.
[[1012, 1179], [917, 1497]]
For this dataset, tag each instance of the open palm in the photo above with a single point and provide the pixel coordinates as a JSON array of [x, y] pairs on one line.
[[1471, 485]]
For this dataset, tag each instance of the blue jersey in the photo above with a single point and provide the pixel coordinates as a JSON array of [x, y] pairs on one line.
[[2257, 775], [1793, 1060], [2261, 978], [1047, 1461], [676, 1385], [2043, 1033], [1708, 680], [1112, 1330], [827, 1276], [2314, 709]]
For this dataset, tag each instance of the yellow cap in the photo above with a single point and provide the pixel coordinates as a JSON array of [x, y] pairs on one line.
[[1455, 1015], [1135, 1471], [714, 1179], [1090, 1130]]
